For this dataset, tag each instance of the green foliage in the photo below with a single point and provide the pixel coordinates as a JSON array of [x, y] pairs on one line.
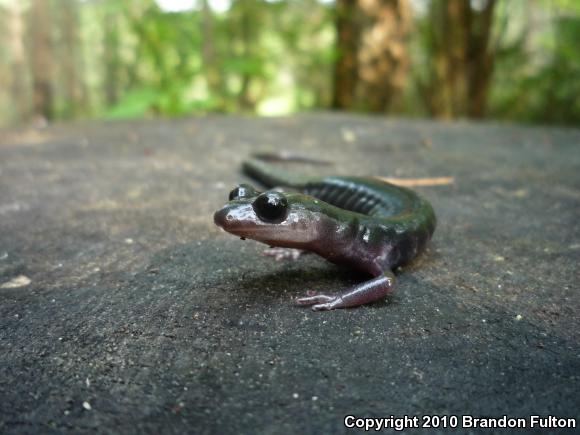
[[277, 57], [542, 86], [136, 103]]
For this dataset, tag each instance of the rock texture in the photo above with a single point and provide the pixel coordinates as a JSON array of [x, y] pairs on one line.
[[123, 309]]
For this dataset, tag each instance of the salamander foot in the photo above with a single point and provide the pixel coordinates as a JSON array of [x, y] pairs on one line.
[[375, 289], [315, 299]]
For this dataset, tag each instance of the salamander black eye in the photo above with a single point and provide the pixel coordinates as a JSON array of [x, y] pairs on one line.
[[271, 207], [243, 191]]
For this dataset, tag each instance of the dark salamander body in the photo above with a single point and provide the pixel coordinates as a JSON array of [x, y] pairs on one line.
[[363, 223]]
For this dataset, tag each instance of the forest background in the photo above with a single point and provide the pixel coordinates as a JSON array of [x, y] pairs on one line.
[[515, 60]]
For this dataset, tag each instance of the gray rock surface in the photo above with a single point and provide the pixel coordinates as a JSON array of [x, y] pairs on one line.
[[123, 309]]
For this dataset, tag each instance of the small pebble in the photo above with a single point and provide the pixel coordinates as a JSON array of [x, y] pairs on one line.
[[19, 281], [348, 135], [87, 406]]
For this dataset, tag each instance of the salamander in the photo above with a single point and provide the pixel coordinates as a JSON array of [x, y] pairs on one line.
[[362, 223]]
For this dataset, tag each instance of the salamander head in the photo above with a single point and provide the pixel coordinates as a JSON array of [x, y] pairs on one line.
[[276, 218]]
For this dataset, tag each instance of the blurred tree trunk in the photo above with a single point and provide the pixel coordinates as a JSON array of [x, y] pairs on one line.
[[212, 72], [383, 57], [248, 15], [372, 39], [132, 12], [75, 92], [41, 56], [112, 60], [345, 67], [462, 58], [18, 88], [481, 59]]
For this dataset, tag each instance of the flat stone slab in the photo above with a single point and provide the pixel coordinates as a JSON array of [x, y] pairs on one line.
[[123, 309]]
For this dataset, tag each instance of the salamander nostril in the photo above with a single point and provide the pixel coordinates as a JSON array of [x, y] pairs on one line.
[[220, 217]]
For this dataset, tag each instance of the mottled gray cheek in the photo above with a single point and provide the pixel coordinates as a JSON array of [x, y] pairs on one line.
[[234, 215], [241, 214]]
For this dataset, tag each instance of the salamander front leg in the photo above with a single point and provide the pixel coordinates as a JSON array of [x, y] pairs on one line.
[[375, 289]]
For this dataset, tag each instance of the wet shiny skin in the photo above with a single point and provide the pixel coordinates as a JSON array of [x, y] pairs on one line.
[[360, 223]]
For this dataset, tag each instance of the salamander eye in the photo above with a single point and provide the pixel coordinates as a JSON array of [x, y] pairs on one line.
[[271, 207], [243, 191]]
